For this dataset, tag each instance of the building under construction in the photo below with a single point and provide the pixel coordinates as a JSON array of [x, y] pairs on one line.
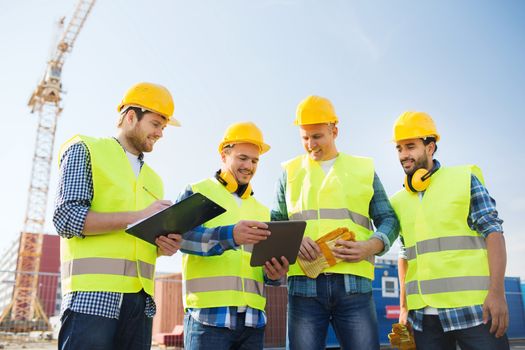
[[28, 299]]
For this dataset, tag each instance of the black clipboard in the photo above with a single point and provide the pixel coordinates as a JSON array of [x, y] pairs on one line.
[[180, 217], [285, 240]]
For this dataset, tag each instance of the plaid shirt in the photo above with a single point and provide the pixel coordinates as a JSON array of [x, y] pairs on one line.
[[383, 217], [74, 196], [483, 218], [214, 241]]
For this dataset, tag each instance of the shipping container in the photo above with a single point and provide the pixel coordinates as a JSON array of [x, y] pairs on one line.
[[514, 295]]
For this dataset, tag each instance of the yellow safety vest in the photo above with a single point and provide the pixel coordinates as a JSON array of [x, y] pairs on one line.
[[340, 198], [447, 261], [227, 279], [114, 261]]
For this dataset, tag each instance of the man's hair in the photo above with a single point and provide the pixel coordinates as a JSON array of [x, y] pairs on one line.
[[228, 148], [428, 140], [139, 112]]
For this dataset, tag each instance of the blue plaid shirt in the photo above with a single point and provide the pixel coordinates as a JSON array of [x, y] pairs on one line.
[[74, 196], [214, 241], [483, 218], [383, 217]]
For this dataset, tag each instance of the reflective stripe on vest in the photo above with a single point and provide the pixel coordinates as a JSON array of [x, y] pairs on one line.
[[446, 243], [113, 261], [222, 283], [107, 266], [447, 261], [335, 214], [446, 285], [325, 204], [226, 279]]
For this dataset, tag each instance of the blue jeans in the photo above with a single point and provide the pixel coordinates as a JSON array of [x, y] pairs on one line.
[[353, 317], [475, 338], [132, 331], [198, 336]]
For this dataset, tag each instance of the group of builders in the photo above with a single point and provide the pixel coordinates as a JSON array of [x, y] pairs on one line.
[[451, 264]]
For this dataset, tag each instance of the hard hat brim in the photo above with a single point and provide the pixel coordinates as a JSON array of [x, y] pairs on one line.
[[263, 147], [171, 121], [174, 122], [437, 137], [335, 121]]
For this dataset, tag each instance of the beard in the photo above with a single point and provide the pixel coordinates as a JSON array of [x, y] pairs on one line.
[[242, 174], [139, 141], [418, 164]]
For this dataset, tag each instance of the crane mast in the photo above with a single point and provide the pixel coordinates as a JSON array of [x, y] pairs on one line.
[[46, 101]]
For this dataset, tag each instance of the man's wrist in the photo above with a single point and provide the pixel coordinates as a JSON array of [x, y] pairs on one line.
[[375, 245]]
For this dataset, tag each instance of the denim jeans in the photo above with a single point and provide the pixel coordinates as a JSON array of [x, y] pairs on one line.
[[132, 331], [475, 338], [198, 336], [353, 317]]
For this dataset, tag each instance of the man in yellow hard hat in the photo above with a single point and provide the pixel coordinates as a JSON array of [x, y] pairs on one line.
[[223, 295], [105, 185], [452, 261], [330, 190]]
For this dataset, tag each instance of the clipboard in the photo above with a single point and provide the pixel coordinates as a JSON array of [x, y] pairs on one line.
[[180, 217], [285, 240]]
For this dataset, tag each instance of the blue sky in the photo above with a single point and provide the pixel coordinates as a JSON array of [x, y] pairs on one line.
[[228, 61]]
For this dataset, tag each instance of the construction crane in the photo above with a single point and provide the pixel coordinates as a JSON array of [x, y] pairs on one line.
[[25, 312]]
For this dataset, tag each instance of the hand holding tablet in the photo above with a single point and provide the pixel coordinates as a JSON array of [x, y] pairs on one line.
[[284, 240]]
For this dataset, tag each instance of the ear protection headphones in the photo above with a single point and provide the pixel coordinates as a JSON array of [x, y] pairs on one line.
[[227, 179], [419, 180]]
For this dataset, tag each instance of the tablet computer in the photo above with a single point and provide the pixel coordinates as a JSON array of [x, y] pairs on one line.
[[180, 217], [285, 240]]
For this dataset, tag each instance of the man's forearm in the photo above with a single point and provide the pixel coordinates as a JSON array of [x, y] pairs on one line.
[[97, 223], [402, 266], [497, 257], [209, 241], [376, 245]]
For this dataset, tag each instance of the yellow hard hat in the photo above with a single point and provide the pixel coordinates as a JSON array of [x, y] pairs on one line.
[[244, 132], [315, 110], [152, 97], [414, 125]]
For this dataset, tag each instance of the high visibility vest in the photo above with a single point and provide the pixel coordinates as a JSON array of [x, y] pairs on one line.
[[113, 261], [447, 261], [227, 279], [340, 198]]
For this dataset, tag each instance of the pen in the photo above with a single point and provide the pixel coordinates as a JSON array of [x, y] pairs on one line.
[[151, 193]]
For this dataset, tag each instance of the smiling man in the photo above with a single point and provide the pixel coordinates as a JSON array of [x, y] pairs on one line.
[[223, 295], [105, 185], [330, 189], [453, 258]]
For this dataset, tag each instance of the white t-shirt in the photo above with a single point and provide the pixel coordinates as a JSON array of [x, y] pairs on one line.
[[135, 163], [327, 164]]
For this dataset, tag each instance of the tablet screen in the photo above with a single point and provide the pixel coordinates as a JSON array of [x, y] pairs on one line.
[[285, 240]]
